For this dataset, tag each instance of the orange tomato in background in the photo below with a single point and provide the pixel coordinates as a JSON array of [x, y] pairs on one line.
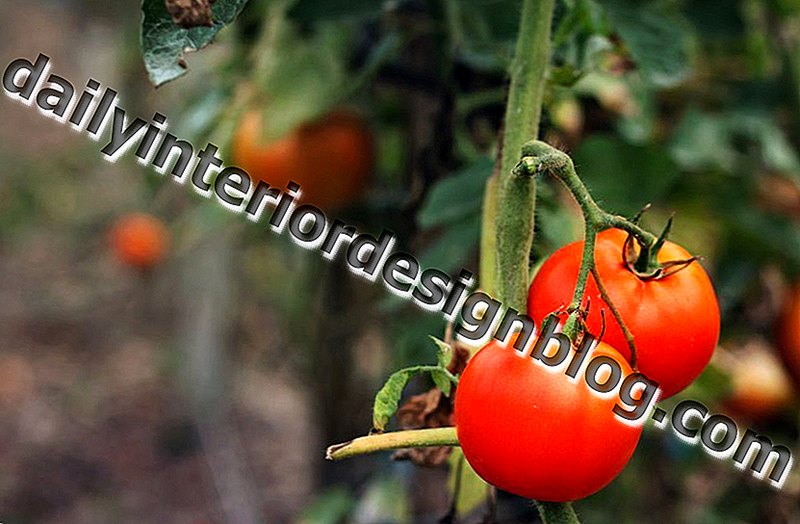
[[788, 336], [760, 387], [331, 158], [139, 240]]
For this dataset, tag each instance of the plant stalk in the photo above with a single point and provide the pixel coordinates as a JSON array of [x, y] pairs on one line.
[[556, 513], [516, 197], [393, 440]]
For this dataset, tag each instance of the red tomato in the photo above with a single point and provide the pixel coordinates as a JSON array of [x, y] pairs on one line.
[[674, 320], [789, 333], [532, 431], [139, 240]]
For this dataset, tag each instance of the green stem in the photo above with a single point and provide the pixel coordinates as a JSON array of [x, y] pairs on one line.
[[393, 440], [617, 316], [539, 157], [587, 263], [516, 195], [488, 254], [556, 513]]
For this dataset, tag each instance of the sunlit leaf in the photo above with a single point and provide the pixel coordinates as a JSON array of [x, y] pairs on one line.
[[445, 352]]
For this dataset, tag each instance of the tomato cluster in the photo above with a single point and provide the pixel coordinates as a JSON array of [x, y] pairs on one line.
[[534, 432]]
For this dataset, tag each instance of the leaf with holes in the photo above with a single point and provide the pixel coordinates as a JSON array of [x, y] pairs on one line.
[[164, 42]]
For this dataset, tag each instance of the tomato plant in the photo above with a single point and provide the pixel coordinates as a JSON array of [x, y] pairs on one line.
[[533, 432], [674, 320], [139, 240], [331, 158]]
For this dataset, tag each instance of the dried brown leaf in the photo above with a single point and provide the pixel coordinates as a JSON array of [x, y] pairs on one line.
[[191, 13], [427, 410], [459, 361]]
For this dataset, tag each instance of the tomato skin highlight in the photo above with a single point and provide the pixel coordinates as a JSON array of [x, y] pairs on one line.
[[331, 158], [675, 320], [532, 431]]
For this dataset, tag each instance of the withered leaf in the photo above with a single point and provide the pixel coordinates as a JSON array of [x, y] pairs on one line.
[[459, 360], [431, 409], [191, 13]]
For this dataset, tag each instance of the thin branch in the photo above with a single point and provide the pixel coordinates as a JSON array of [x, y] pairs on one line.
[[394, 440], [617, 316], [540, 157]]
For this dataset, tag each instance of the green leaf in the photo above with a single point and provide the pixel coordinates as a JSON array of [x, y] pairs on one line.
[[623, 176], [776, 152], [306, 76], [164, 43], [454, 204], [656, 39], [388, 398], [445, 352], [456, 196], [441, 379], [330, 507], [702, 142], [472, 490], [712, 141], [455, 245]]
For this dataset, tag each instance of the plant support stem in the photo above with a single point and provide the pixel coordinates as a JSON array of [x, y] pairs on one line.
[[393, 440], [513, 222]]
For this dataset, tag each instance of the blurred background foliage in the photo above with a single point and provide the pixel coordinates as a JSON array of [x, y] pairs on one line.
[[117, 412]]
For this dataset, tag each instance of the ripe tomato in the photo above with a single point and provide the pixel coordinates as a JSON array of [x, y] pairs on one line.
[[139, 240], [674, 320], [534, 432], [331, 158], [789, 333]]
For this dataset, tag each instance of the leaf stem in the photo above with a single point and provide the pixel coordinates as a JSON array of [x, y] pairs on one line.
[[539, 157], [393, 440], [617, 316]]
